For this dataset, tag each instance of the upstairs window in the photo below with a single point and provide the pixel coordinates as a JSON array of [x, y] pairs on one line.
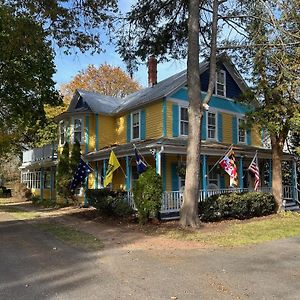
[[135, 126], [211, 126], [221, 83], [241, 131], [62, 132], [77, 134], [184, 121]]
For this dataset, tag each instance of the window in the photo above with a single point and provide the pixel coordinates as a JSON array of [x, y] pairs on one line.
[[134, 176], [241, 131], [184, 121], [135, 133], [77, 130], [221, 83], [62, 132], [211, 126], [213, 177]]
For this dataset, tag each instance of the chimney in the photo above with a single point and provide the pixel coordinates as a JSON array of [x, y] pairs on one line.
[[152, 71]]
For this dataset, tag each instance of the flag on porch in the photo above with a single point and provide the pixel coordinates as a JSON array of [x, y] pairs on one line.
[[229, 166], [113, 165], [140, 164], [254, 169], [83, 170]]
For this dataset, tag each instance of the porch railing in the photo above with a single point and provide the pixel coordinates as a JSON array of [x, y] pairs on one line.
[[39, 154], [172, 201]]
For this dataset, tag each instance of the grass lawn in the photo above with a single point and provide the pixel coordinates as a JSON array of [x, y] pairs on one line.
[[72, 237], [241, 233]]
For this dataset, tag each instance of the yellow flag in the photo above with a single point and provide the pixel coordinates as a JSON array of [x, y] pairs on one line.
[[113, 165]]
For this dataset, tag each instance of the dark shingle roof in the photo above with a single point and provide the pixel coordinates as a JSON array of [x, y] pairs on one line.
[[94, 102]]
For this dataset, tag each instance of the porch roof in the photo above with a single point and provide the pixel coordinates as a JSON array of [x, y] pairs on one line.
[[178, 146]]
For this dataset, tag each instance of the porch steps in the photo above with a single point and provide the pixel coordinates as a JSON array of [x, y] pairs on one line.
[[290, 205]]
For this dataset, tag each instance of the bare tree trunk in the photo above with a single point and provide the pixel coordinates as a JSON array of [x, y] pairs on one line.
[[189, 211], [277, 147]]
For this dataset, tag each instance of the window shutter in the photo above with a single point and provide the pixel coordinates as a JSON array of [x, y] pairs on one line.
[[143, 124], [234, 130], [175, 186], [220, 127], [248, 136], [175, 120], [203, 126], [128, 131]]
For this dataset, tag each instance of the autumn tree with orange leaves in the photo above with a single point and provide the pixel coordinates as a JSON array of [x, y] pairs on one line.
[[106, 79]]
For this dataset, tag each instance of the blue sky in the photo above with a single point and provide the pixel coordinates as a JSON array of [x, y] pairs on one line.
[[69, 65]]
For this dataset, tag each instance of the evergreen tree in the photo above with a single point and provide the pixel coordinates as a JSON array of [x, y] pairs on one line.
[[75, 157]]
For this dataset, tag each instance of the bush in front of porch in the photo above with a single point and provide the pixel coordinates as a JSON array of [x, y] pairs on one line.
[[236, 206], [109, 203]]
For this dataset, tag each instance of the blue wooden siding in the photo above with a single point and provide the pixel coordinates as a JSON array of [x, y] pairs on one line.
[[128, 129], [220, 127], [232, 89], [248, 136], [203, 126], [234, 130], [175, 120], [175, 181], [143, 124]]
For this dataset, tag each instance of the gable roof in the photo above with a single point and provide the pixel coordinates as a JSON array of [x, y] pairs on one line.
[[170, 85], [93, 101]]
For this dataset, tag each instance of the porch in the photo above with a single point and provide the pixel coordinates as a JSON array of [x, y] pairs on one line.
[[172, 200]]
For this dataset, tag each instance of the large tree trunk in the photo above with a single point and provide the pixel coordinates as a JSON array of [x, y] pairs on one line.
[[277, 147], [189, 211]]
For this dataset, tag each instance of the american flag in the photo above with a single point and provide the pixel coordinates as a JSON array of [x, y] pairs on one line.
[[82, 171], [254, 169]]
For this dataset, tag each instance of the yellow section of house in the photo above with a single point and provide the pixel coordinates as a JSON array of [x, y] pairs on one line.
[[91, 181], [37, 193], [120, 129], [106, 131], [256, 137], [169, 119], [154, 120], [92, 133], [227, 128], [119, 181]]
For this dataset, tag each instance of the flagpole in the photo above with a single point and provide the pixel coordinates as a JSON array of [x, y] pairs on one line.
[[140, 154], [222, 156], [87, 163]]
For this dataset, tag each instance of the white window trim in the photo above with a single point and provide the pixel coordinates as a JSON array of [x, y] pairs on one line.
[[179, 125], [216, 134], [216, 90], [82, 130], [238, 136], [65, 132], [131, 125]]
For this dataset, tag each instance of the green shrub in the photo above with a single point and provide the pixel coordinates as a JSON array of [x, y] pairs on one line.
[[147, 195], [109, 203], [236, 206], [37, 201]]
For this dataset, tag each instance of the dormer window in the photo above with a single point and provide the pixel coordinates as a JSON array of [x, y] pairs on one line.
[[221, 83], [135, 126], [61, 132], [77, 134]]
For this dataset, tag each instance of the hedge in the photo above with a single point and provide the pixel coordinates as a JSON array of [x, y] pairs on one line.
[[236, 206], [109, 203]]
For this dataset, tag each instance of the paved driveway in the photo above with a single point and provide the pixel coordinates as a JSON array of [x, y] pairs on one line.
[[34, 265]]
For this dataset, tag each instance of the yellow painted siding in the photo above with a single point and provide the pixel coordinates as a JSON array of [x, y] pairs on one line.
[[154, 120], [92, 131], [255, 137], [120, 129], [227, 128], [119, 181], [169, 119], [106, 131]]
